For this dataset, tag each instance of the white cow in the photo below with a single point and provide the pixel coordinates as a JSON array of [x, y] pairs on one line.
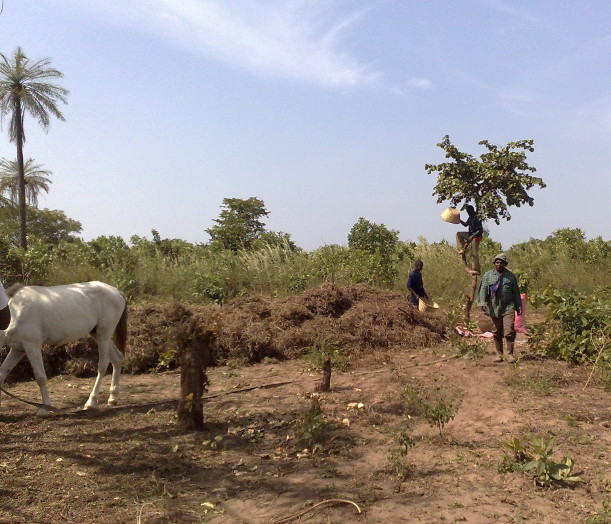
[[58, 315]]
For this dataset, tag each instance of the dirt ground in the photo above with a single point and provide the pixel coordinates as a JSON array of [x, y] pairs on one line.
[[260, 459], [131, 463]]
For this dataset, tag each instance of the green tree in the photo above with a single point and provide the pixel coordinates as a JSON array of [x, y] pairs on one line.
[[373, 238], [499, 179], [51, 226], [25, 87], [239, 223], [36, 180]]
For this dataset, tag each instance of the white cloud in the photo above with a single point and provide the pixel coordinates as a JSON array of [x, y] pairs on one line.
[[420, 83], [293, 38]]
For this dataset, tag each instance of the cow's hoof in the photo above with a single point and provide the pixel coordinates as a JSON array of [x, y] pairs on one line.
[[112, 402], [42, 413]]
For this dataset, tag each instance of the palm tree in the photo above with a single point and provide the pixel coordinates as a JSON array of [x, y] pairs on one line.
[[24, 88], [36, 180]]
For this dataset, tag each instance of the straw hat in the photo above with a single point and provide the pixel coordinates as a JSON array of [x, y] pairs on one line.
[[451, 215], [501, 256]]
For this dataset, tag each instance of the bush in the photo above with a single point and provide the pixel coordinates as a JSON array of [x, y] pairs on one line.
[[575, 325]]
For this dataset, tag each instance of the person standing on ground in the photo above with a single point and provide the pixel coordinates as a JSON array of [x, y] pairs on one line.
[[499, 298], [472, 237], [415, 284]]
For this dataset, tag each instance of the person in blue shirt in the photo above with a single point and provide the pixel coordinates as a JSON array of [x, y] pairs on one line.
[[415, 284]]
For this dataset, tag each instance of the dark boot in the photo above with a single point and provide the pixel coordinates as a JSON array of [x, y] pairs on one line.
[[510, 357], [498, 346]]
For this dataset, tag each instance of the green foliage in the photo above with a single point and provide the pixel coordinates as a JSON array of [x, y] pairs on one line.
[[36, 180], [543, 468], [48, 225], [323, 349], [375, 246], [310, 427], [239, 224], [347, 266], [437, 404], [564, 260], [168, 359], [575, 324], [496, 181], [27, 87], [373, 238], [533, 456], [472, 348], [603, 516], [210, 287]]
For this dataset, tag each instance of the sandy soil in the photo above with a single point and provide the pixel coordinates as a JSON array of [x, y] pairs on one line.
[[132, 464]]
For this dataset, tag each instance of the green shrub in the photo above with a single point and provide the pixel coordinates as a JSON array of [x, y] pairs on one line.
[[533, 456], [575, 325], [437, 404]]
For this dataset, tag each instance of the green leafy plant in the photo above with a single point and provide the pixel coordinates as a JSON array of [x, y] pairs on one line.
[[167, 360], [323, 349], [574, 324], [603, 516], [396, 457], [437, 404], [533, 456], [310, 427], [544, 469]]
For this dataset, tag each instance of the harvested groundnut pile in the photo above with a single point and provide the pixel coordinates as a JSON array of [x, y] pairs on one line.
[[358, 318]]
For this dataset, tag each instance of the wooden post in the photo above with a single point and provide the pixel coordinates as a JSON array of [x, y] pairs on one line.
[[194, 355], [192, 380], [325, 385]]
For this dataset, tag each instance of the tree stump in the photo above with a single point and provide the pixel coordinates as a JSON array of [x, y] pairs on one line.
[[194, 355], [192, 386], [325, 384]]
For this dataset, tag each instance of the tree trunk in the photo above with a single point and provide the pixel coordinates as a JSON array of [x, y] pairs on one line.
[[470, 297], [325, 384], [191, 404], [20, 165], [194, 355]]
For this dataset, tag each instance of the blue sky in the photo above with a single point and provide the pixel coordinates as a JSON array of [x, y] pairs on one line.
[[326, 110]]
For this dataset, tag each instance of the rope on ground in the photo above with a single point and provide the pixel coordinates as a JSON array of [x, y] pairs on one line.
[[285, 520]]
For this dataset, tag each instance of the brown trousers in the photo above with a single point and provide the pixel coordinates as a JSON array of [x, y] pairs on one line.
[[504, 327], [461, 240]]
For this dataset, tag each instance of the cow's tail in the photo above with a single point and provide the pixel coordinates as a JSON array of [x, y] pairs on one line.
[[120, 335]]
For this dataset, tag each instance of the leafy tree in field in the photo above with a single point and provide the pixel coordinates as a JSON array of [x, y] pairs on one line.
[[499, 179], [49, 225], [239, 223], [25, 87], [36, 180], [275, 239], [492, 183], [380, 245], [373, 238]]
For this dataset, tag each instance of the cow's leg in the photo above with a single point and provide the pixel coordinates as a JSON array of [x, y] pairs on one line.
[[11, 360], [34, 354], [103, 361], [116, 358]]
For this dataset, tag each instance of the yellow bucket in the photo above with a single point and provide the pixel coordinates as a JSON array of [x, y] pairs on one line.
[[427, 305], [451, 215]]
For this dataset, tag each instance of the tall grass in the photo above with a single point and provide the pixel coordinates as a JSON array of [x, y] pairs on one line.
[[164, 270]]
